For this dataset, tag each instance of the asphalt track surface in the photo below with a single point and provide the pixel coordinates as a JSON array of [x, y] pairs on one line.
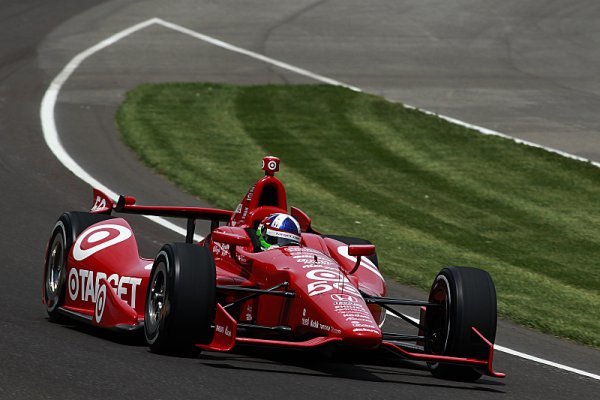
[[524, 68]]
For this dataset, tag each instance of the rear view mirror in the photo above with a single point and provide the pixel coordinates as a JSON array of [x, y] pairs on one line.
[[357, 250]]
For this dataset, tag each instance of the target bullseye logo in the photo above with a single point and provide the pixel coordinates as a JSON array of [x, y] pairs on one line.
[[270, 165], [98, 238], [73, 283], [100, 303], [325, 275]]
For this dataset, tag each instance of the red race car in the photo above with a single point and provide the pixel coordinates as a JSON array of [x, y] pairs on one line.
[[263, 278]]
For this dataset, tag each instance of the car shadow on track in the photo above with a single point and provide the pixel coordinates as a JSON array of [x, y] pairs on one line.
[[371, 366], [135, 338]]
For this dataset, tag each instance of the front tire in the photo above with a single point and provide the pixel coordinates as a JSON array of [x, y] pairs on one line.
[[467, 298], [180, 300]]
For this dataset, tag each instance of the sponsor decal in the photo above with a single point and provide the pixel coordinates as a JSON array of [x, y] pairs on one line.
[[99, 204], [326, 280], [250, 193], [313, 323], [220, 249], [307, 266], [99, 238], [271, 165], [354, 312], [365, 330], [248, 312], [344, 298], [73, 284], [284, 235], [306, 252], [100, 303], [85, 285], [223, 330]]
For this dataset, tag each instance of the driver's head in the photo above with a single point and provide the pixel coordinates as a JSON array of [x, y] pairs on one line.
[[278, 230]]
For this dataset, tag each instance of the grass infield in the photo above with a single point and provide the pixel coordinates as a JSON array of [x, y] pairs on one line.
[[426, 192]]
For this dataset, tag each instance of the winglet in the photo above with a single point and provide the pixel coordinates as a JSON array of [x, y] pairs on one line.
[[489, 368], [110, 310], [102, 203], [225, 332]]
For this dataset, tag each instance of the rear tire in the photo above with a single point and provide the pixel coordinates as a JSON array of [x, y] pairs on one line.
[[468, 299], [180, 301], [66, 230]]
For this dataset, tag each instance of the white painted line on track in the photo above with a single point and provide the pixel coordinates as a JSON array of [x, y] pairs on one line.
[[49, 125], [486, 131], [524, 355], [546, 362], [52, 138], [251, 54], [324, 79]]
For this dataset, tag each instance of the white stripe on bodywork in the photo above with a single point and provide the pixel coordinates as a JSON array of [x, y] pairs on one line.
[[364, 261]]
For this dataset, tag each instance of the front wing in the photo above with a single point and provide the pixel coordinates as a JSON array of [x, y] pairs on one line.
[[225, 338]]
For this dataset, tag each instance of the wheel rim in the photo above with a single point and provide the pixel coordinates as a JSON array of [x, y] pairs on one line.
[[55, 272], [438, 318], [156, 298]]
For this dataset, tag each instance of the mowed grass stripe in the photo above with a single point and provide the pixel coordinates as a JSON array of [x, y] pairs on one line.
[[426, 192]]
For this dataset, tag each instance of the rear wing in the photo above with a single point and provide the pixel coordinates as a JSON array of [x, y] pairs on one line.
[[103, 204]]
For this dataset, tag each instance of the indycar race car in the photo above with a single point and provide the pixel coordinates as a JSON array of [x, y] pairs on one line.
[[226, 289]]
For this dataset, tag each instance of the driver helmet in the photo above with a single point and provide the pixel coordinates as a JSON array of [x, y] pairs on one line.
[[278, 230]]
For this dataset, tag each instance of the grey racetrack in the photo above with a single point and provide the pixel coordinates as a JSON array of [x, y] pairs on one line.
[[526, 68]]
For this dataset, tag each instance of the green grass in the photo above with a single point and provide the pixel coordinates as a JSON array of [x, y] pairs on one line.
[[426, 192]]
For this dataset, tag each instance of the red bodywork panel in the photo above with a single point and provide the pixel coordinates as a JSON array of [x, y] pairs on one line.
[[105, 255]]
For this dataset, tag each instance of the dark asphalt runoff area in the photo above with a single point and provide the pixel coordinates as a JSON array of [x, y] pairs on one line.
[[525, 68]]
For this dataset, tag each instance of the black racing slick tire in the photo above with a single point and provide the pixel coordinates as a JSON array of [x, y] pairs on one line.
[[180, 301], [65, 231], [467, 298]]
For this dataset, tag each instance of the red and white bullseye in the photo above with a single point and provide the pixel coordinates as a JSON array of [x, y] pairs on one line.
[[100, 303], [325, 275], [324, 280], [73, 283], [270, 165], [98, 238]]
